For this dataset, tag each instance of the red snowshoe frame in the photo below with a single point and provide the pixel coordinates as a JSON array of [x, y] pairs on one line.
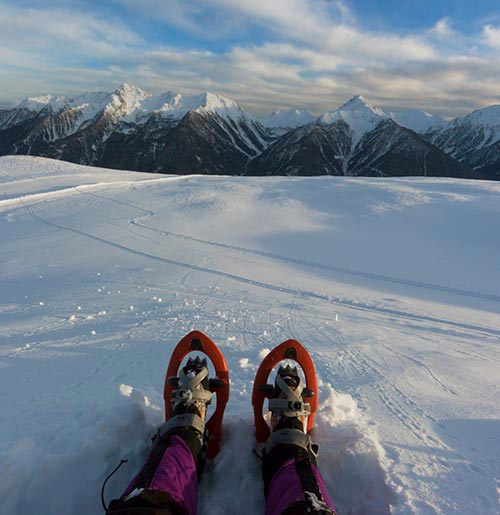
[[196, 341], [293, 350]]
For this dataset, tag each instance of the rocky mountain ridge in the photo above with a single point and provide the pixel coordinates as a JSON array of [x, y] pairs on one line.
[[210, 134], [473, 139], [357, 140], [132, 129]]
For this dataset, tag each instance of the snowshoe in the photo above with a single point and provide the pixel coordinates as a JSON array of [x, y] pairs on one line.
[[188, 389], [292, 403]]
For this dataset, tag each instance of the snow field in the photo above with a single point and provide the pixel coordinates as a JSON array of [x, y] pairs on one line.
[[392, 285]]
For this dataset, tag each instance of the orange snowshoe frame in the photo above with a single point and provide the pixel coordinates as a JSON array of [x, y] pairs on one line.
[[293, 350], [196, 341]]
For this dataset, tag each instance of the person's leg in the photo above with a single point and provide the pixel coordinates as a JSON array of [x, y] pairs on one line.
[[167, 484], [292, 482], [167, 481]]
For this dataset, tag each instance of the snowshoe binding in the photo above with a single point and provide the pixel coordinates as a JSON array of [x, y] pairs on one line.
[[289, 410], [190, 397]]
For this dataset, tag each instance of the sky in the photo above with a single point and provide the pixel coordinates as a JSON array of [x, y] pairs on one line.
[[439, 55]]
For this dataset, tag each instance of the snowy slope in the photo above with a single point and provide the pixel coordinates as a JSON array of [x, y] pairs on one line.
[[392, 284], [417, 120], [280, 122]]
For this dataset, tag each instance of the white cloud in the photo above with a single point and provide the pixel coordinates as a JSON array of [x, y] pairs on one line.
[[325, 26], [443, 29], [294, 18], [61, 31], [492, 36]]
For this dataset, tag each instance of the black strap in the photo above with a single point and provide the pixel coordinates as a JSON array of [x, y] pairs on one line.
[[148, 502], [306, 474], [106, 480]]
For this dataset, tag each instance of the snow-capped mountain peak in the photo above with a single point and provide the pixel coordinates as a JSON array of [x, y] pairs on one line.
[[135, 105], [126, 100], [358, 114], [487, 118], [359, 104], [37, 104], [214, 102], [130, 93], [129, 117], [474, 139]]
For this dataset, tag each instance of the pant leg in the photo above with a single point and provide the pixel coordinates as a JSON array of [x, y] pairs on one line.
[[167, 484], [293, 483]]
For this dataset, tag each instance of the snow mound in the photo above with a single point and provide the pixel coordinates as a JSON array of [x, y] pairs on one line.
[[37, 475], [351, 459]]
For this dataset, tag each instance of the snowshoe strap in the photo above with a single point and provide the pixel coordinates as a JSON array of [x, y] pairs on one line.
[[292, 405], [186, 394], [183, 420], [290, 436], [191, 381], [191, 388]]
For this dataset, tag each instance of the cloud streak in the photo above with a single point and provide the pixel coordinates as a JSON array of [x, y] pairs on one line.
[[300, 53]]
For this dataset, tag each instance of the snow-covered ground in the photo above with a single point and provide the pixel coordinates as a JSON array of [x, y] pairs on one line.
[[392, 284]]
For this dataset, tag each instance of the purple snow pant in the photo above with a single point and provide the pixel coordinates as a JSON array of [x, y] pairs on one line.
[[286, 489], [176, 476]]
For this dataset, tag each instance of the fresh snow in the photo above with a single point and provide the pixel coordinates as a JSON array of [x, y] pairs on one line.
[[36, 104], [132, 104], [392, 285], [283, 121], [417, 120]]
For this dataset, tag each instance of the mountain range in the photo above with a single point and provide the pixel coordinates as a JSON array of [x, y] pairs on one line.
[[210, 134]]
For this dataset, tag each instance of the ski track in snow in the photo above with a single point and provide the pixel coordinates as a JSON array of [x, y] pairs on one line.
[[346, 271], [346, 302], [93, 298], [277, 288]]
